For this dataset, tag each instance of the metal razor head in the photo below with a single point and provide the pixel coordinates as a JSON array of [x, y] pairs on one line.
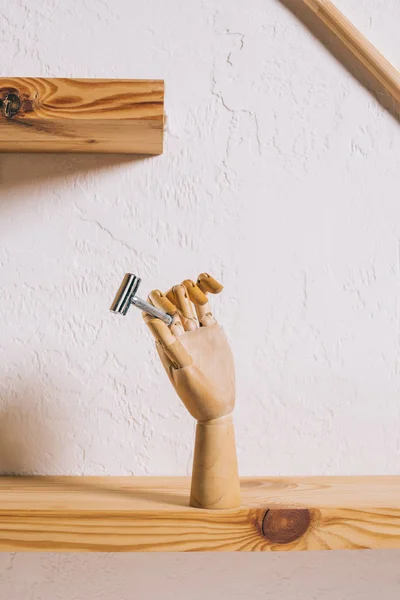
[[125, 295]]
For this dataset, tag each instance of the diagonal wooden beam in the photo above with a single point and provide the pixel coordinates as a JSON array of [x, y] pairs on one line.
[[358, 45]]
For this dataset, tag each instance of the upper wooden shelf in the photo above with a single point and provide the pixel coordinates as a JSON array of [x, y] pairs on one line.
[[152, 514], [81, 115]]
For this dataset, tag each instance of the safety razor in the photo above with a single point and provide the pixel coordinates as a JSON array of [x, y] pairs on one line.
[[126, 296]]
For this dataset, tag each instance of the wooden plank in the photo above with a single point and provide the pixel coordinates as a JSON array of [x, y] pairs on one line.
[[81, 115], [117, 514], [358, 44]]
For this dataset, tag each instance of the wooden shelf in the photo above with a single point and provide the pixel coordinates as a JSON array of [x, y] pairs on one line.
[[81, 115], [127, 514]]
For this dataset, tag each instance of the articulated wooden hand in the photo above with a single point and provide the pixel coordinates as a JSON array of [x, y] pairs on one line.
[[198, 360]]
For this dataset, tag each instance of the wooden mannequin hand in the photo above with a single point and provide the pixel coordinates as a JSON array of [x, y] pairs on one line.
[[198, 360], [194, 350]]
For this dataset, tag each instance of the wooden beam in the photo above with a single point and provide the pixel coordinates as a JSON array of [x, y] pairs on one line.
[[81, 115], [358, 44], [112, 514]]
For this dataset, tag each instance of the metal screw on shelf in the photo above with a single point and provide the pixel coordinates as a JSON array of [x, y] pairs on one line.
[[126, 296]]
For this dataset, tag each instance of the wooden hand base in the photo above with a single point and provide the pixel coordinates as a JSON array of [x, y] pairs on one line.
[[215, 478]]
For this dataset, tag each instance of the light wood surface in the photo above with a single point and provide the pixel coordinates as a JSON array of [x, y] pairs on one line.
[[81, 115], [153, 514], [358, 44]]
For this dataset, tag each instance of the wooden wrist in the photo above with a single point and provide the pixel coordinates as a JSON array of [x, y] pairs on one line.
[[215, 478]]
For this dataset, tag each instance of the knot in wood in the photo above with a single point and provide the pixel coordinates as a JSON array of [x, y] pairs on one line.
[[10, 105], [282, 526]]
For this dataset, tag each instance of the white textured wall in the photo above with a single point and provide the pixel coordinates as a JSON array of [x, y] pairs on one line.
[[280, 176]]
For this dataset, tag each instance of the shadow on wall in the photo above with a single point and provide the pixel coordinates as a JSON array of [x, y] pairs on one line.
[[37, 434], [24, 169], [27, 440], [336, 47]]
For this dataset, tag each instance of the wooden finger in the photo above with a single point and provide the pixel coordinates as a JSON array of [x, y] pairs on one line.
[[178, 356], [163, 303], [160, 330], [207, 283], [201, 305], [185, 308], [194, 292], [170, 296], [205, 315]]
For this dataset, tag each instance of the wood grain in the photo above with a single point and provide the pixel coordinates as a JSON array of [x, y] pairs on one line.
[[118, 514], [81, 115], [358, 44]]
